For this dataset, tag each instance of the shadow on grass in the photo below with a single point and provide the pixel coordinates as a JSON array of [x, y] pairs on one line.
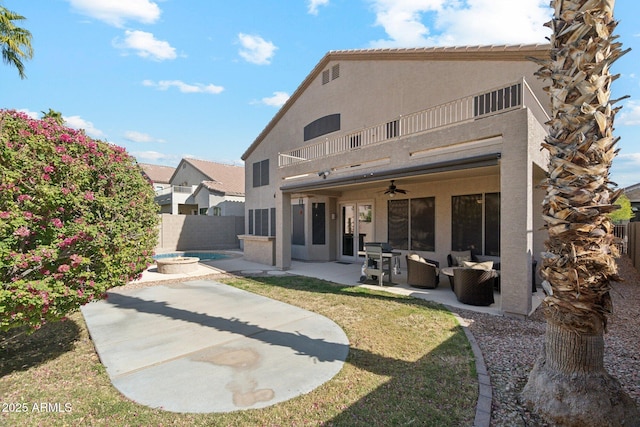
[[310, 284], [439, 388], [20, 351]]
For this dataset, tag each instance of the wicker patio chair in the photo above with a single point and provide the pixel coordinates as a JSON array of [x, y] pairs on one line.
[[473, 286], [422, 273]]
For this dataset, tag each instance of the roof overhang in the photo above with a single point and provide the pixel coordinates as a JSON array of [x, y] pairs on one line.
[[423, 169]]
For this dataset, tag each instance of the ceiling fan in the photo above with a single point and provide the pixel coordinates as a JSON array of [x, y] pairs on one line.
[[392, 189]]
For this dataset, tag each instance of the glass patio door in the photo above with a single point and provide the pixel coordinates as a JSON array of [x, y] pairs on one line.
[[356, 227]]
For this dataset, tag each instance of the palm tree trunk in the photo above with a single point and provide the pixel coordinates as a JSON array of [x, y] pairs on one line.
[[568, 385]]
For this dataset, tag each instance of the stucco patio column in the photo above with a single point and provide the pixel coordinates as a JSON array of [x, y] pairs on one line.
[[516, 213], [283, 230]]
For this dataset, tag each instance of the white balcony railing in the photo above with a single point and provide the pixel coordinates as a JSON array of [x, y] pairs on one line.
[[472, 107], [175, 189]]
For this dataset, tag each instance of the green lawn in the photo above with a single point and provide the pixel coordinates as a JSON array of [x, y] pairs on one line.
[[409, 363]]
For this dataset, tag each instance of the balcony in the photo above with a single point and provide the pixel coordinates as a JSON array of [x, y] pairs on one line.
[[499, 100], [175, 194], [175, 189]]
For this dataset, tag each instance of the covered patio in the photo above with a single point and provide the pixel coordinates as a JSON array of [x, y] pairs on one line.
[[438, 207], [347, 274]]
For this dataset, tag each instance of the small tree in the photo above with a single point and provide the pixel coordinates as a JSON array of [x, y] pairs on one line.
[[625, 213], [76, 219]]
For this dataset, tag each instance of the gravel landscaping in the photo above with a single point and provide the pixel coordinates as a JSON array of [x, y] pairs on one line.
[[511, 346]]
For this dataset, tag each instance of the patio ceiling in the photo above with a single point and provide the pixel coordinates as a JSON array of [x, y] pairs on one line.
[[461, 168]]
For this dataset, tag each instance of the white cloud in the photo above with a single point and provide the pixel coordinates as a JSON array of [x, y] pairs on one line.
[[630, 114], [146, 45], [155, 157], [135, 136], [451, 22], [315, 4], [401, 20], [255, 49], [117, 12], [184, 87], [78, 122], [30, 113], [630, 157], [277, 100], [624, 170]]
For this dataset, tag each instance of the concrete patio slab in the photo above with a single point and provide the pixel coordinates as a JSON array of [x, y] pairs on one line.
[[201, 346]]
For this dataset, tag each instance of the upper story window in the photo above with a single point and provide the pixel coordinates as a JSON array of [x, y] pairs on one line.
[[261, 173], [322, 126]]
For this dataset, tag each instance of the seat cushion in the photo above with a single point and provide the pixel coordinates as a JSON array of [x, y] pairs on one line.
[[415, 257], [459, 257], [486, 265]]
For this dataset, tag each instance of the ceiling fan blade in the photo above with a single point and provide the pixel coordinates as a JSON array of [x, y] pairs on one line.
[[401, 191]]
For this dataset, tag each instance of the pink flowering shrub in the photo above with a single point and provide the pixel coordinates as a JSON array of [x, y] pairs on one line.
[[77, 218]]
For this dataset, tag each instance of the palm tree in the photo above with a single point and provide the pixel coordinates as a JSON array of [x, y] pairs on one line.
[[15, 41], [569, 385], [55, 115]]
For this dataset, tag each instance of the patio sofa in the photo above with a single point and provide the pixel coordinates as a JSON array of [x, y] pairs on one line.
[[458, 259]]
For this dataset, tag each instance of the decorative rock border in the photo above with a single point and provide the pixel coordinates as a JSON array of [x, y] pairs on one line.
[[177, 265]]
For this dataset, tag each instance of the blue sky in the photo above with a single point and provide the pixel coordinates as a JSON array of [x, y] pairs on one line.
[[168, 79]]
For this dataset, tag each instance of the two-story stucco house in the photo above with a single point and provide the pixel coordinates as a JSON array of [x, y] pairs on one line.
[[200, 187], [457, 129]]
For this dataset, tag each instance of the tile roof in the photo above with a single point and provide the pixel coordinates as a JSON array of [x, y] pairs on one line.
[[224, 178], [633, 192], [221, 188], [158, 174]]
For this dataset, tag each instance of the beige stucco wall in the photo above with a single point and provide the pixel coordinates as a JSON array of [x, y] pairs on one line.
[[368, 93], [185, 173], [372, 92]]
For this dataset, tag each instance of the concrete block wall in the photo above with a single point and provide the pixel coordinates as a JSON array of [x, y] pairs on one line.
[[199, 232]]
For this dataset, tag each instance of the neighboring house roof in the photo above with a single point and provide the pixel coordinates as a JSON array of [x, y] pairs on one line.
[[633, 192], [220, 188], [459, 53], [223, 178], [158, 174]]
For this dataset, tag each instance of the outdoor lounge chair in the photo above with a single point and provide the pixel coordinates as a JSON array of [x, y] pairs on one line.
[[422, 273], [473, 286]]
